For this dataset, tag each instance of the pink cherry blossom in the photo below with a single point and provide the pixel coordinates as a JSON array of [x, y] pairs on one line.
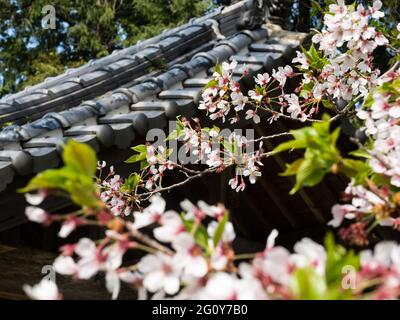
[[302, 59], [45, 290], [262, 79], [151, 214], [189, 256], [251, 114], [160, 272], [36, 214], [171, 226]]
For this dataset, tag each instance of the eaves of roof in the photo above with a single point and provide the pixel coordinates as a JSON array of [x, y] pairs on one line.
[[112, 101]]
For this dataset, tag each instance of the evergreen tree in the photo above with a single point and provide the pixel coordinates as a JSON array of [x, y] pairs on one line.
[[84, 30]]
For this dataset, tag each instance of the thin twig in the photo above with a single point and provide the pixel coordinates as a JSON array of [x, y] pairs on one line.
[[271, 137], [149, 241], [179, 184]]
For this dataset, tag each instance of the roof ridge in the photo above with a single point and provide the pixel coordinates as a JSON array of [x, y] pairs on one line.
[[140, 45], [138, 102]]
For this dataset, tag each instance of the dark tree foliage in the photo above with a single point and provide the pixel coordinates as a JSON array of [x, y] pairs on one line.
[[85, 29]]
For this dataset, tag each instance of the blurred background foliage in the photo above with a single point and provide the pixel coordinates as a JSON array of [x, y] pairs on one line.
[[90, 29]]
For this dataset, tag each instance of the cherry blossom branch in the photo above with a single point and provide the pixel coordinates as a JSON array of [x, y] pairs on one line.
[[271, 137], [146, 195], [149, 241]]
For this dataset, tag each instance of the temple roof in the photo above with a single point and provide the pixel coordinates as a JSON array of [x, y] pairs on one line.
[[111, 103]]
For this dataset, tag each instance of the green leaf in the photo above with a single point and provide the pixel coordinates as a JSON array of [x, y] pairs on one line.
[[290, 145], [306, 284], [75, 178], [306, 89], [212, 83], [293, 168], [327, 104], [220, 229], [173, 135], [356, 169], [141, 148], [316, 58], [319, 156], [49, 179], [200, 235], [143, 164], [131, 182], [309, 174], [136, 158], [337, 259], [79, 186], [80, 157], [360, 154], [142, 154], [218, 69]]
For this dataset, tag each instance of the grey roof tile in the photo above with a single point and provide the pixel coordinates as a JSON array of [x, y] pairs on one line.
[[138, 120], [240, 40], [196, 82], [113, 100], [253, 58], [44, 158], [170, 107], [198, 64], [32, 99], [43, 142], [103, 133], [150, 53], [212, 58], [89, 139], [172, 76], [65, 88], [10, 134], [68, 118], [168, 43], [192, 31], [6, 174], [287, 51], [267, 47], [21, 161], [192, 93], [124, 134], [156, 119], [6, 108], [38, 127], [224, 50], [144, 90], [93, 77]]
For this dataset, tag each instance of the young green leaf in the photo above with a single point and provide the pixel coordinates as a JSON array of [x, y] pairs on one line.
[[220, 229], [80, 157]]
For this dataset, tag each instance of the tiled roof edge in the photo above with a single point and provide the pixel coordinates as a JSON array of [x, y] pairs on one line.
[[114, 56]]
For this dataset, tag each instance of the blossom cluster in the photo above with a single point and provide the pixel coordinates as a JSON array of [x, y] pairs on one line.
[[382, 125], [366, 209], [158, 163], [348, 40], [224, 94], [111, 191], [190, 255], [376, 203], [210, 147], [340, 70], [202, 263]]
